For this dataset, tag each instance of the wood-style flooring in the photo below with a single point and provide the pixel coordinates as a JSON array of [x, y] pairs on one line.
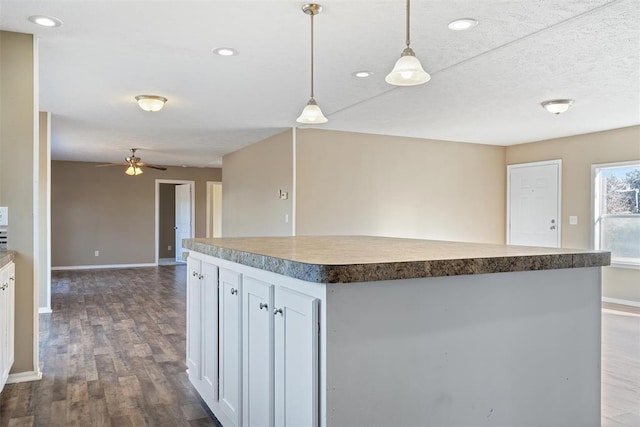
[[620, 366], [112, 354]]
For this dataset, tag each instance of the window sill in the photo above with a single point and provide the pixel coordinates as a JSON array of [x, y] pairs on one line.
[[622, 264]]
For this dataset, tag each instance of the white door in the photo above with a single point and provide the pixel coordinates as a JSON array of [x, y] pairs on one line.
[[296, 359], [257, 350], [183, 217], [534, 204], [230, 351]]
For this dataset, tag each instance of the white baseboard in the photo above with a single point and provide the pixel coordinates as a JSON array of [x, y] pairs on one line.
[[45, 310], [23, 377], [102, 266], [621, 301]]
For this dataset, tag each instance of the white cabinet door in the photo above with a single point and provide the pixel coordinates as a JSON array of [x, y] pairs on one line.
[[194, 319], [209, 279], [230, 352], [7, 310], [257, 350], [296, 359]]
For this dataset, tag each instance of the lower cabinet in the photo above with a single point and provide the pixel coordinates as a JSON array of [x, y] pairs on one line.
[[7, 320], [265, 352]]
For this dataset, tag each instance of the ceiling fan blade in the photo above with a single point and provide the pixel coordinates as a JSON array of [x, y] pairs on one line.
[[112, 164], [147, 165]]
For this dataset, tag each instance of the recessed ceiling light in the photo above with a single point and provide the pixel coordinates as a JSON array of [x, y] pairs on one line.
[[557, 106], [225, 51], [363, 74], [462, 24], [45, 21]]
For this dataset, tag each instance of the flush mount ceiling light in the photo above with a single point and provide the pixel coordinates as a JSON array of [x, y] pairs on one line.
[[557, 106], [312, 113], [408, 71], [363, 74], [45, 21], [225, 51], [151, 103], [462, 24]]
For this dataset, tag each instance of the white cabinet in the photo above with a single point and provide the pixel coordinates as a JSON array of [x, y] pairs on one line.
[[7, 320], [252, 350], [296, 358], [257, 353], [230, 350], [280, 356], [202, 328]]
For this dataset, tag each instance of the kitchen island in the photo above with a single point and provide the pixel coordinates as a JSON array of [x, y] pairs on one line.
[[357, 330]]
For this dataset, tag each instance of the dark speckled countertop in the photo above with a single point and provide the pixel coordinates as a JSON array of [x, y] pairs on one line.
[[345, 259], [6, 257]]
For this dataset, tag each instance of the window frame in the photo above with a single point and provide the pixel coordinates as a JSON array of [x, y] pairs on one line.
[[596, 215]]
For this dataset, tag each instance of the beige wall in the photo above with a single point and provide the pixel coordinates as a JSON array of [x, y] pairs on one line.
[[18, 139], [252, 178], [167, 220], [578, 153], [106, 210], [351, 183]]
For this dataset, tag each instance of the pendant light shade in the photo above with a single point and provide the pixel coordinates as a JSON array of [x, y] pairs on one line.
[[311, 114], [408, 71]]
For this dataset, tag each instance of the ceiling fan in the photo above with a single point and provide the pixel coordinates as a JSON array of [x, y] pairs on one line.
[[134, 164]]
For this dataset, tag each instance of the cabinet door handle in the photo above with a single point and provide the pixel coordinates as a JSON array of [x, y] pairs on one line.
[[201, 276], [263, 305], [12, 278], [234, 291], [194, 273], [277, 311], [5, 286]]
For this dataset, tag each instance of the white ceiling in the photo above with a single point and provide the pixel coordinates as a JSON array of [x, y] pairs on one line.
[[486, 87]]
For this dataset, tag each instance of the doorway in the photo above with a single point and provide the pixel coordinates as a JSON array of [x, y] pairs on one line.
[[533, 204], [175, 219], [214, 209]]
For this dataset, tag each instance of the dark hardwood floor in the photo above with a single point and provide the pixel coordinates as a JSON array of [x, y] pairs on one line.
[[112, 354]]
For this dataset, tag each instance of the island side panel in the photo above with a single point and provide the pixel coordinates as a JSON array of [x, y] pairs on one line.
[[493, 349]]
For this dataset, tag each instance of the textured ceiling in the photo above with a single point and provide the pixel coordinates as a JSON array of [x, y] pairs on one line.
[[487, 83]]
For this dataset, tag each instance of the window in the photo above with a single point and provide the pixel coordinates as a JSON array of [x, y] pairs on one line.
[[616, 212]]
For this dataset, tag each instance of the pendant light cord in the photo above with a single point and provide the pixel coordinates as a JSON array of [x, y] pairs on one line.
[[312, 55], [408, 15]]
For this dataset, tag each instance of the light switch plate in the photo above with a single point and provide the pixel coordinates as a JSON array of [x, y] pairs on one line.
[[573, 220], [4, 216]]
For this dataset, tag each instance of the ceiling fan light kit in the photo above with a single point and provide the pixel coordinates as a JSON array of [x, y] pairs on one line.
[[134, 164], [151, 103], [557, 106], [311, 114], [408, 71]]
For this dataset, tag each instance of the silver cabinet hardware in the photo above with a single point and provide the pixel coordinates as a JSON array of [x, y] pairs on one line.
[[201, 276], [553, 227], [263, 305], [277, 311], [194, 273], [234, 291]]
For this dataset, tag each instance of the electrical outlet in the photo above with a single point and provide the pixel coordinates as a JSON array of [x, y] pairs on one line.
[[169, 247], [97, 253]]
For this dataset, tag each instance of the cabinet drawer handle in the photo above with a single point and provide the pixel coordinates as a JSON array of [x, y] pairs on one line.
[[277, 311], [234, 291], [263, 305], [12, 278]]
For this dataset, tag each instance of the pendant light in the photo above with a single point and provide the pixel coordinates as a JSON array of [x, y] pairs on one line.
[[312, 113], [408, 71]]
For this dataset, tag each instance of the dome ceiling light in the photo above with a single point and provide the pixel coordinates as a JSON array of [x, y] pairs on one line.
[[151, 103], [557, 106]]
